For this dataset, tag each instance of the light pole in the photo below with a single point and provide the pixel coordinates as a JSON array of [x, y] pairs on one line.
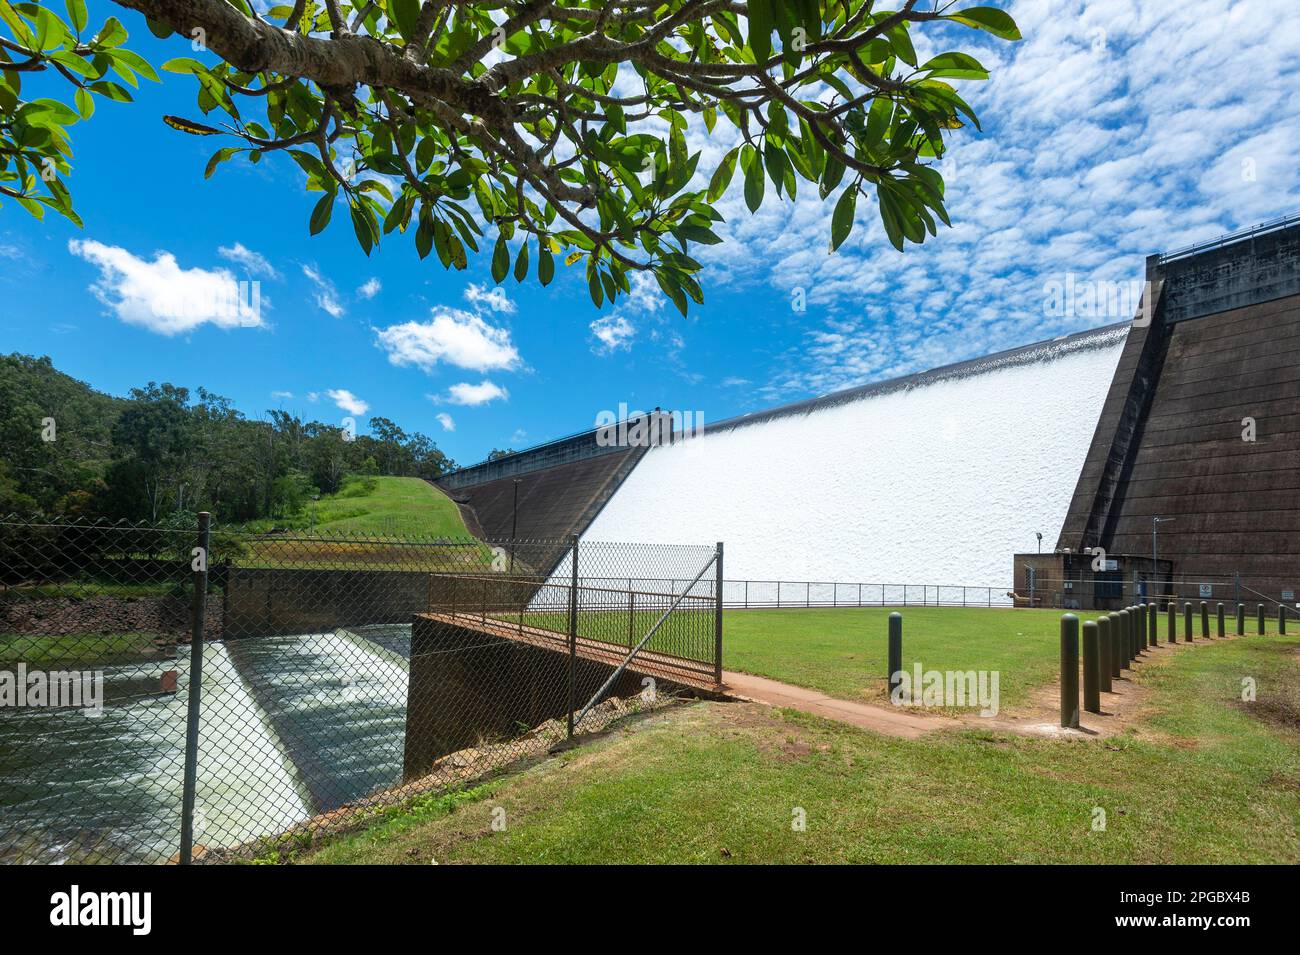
[[1039, 535]]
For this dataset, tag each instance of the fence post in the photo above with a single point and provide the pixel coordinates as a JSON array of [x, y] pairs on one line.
[[1205, 620], [1173, 621], [1241, 619], [1070, 670], [573, 635], [746, 594], [1153, 631], [1126, 634], [895, 650], [717, 620], [1281, 619], [1189, 634], [1222, 631], [1091, 668], [198, 617], [1140, 622], [1105, 653], [631, 616], [1259, 627]]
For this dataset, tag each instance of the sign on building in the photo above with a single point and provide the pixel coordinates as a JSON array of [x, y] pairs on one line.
[[1207, 590]]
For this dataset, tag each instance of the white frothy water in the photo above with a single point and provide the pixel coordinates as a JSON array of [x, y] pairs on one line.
[[939, 483]]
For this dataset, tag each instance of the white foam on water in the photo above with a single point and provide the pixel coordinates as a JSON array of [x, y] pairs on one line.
[[938, 483]]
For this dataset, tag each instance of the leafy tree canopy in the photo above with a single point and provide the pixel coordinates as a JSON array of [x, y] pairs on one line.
[[540, 128]]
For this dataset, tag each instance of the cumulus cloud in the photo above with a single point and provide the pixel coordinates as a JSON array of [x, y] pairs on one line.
[[612, 333], [446, 420], [464, 393], [495, 299], [347, 401], [163, 297], [326, 295], [452, 336], [254, 263], [369, 289]]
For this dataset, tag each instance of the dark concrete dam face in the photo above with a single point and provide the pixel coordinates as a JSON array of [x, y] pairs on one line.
[[468, 688]]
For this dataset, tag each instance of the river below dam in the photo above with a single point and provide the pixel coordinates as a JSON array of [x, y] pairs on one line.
[[291, 726]]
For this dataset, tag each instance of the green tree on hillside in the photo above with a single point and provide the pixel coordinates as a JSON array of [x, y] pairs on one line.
[[538, 129]]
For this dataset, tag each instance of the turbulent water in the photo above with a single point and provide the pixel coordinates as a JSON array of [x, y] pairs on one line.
[[290, 726], [938, 483]]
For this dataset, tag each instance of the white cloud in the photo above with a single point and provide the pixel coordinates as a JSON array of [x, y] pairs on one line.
[[452, 336], [1103, 143], [444, 419], [165, 298], [369, 289], [254, 263], [347, 401], [494, 299], [612, 332], [282, 394], [327, 297], [464, 393]]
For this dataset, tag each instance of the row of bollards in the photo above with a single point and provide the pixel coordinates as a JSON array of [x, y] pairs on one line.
[[1115, 641]]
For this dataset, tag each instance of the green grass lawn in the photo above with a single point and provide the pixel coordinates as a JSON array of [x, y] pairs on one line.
[[396, 506], [843, 651], [1207, 779]]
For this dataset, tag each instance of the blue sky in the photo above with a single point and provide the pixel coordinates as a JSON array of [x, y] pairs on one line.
[[1115, 129]]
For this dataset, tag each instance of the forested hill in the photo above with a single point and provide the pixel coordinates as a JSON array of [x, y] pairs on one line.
[[163, 453]]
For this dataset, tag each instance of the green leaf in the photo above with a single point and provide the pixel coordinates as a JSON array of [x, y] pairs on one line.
[[754, 178], [85, 103], [672, 288], [363, 227], [521, 262], [842, 218], [220, 156], [956, 65], [77, 15], [320, 216], [545, 266], [762, 19], [722, 175], [184, 64], [500, 260], [594, 287], [405, 13], [112, 33], [990, 19]]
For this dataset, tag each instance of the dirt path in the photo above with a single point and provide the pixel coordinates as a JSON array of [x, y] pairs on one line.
[[880, 719]]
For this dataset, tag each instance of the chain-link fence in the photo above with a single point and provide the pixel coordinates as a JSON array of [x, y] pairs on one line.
[[333, 675]]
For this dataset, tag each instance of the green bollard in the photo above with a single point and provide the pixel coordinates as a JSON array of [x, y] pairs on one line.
[[1112, 628], [1205, 620], [1126, 630], [1173, 622], [1222, 631], [1140, 617], [1260, 627], [895, 651], [1091, 668], [1109, 665], [1187, 621], [1070, 671], [1281, 620], [1241, 620], [1153, 637]]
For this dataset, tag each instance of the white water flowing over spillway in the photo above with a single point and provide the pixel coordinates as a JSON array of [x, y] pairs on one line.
[[939, 482]]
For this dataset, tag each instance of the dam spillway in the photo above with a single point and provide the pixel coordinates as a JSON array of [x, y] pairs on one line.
[[936, 478]]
